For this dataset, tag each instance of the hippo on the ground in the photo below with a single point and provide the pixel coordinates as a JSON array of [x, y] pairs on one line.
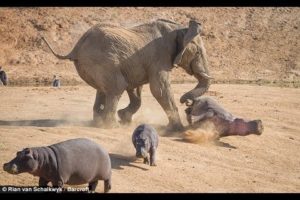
[[207, 109], [145, 140], [74, 162]]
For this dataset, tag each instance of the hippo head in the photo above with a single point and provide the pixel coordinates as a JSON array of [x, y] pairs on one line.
[[142, 146], [246, 127], [25, 161]]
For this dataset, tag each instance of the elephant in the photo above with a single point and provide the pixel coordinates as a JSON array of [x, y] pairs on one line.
[[112, 59]]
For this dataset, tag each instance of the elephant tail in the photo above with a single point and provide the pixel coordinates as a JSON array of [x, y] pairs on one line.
[[70, 56]]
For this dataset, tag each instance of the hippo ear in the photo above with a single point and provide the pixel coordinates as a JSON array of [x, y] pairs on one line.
[[27, 151], [34, 155]]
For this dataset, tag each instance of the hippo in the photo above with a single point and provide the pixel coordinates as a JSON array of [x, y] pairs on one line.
[[145, 140], [74, 162], [205, 109]]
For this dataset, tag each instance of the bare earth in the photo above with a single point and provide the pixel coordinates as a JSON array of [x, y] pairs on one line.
[[244, 44], [38, 116]]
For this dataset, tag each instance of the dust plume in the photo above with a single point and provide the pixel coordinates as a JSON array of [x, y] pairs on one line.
[[204, 134]]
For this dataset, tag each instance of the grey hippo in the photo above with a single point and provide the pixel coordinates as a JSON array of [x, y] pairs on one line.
[[74, 162], [145, 141], [207, 109]]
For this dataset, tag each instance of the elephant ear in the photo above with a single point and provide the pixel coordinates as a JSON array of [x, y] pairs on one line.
[[193, 31]]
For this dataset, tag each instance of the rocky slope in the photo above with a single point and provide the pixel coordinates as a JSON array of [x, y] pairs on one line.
[[258, 45]]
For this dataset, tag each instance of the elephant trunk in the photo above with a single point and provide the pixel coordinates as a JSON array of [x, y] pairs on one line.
[[200, 89]]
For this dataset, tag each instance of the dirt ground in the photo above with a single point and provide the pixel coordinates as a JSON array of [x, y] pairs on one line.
[[38, 116]]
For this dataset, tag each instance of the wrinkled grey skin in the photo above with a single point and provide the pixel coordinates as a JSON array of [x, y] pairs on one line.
[[73, 162], [145, 141], [113, 59], [3, 77], [207, 109]]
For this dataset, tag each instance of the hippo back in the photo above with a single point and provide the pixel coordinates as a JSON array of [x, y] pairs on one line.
[[80, 159], [146, 131], [205, 104]]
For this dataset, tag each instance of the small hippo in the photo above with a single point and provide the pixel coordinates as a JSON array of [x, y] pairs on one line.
[[145, 140], [73, 162], [206, 108]]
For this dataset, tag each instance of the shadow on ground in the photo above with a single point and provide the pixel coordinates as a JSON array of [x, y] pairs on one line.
[[45, 123], [117, 161], [214, 142]]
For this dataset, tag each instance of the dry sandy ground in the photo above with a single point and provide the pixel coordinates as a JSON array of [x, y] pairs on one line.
[[35, 116]]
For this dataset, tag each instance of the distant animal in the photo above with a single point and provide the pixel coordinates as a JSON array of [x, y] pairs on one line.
[[112, 59], [207, 109], [145, 141], [56, 81], [73, 162], [3, 77]]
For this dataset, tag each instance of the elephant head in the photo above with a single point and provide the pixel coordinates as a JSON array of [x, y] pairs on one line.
[[192, 58]]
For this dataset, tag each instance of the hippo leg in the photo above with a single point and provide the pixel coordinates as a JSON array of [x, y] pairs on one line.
[[43, 182], [152, 157], [146, 160], [58, 184], [93, 185], [107, 185], [243, 128]]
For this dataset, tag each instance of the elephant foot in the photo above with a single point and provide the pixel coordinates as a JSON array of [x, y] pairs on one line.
[[125, 117], [97, 122], [105, 123], [174, 127]]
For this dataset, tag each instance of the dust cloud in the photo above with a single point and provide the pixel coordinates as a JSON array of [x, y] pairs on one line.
[[207, 133]]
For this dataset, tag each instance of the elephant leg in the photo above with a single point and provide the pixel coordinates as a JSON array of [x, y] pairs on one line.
[[113, 89], [134, 104], [110, 109], [98, 107], [161, 90]]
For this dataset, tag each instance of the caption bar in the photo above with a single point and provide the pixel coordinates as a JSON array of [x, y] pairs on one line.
[[16, 189]]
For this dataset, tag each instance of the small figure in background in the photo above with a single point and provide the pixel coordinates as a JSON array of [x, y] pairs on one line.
[[3, 77], [56, 81]]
